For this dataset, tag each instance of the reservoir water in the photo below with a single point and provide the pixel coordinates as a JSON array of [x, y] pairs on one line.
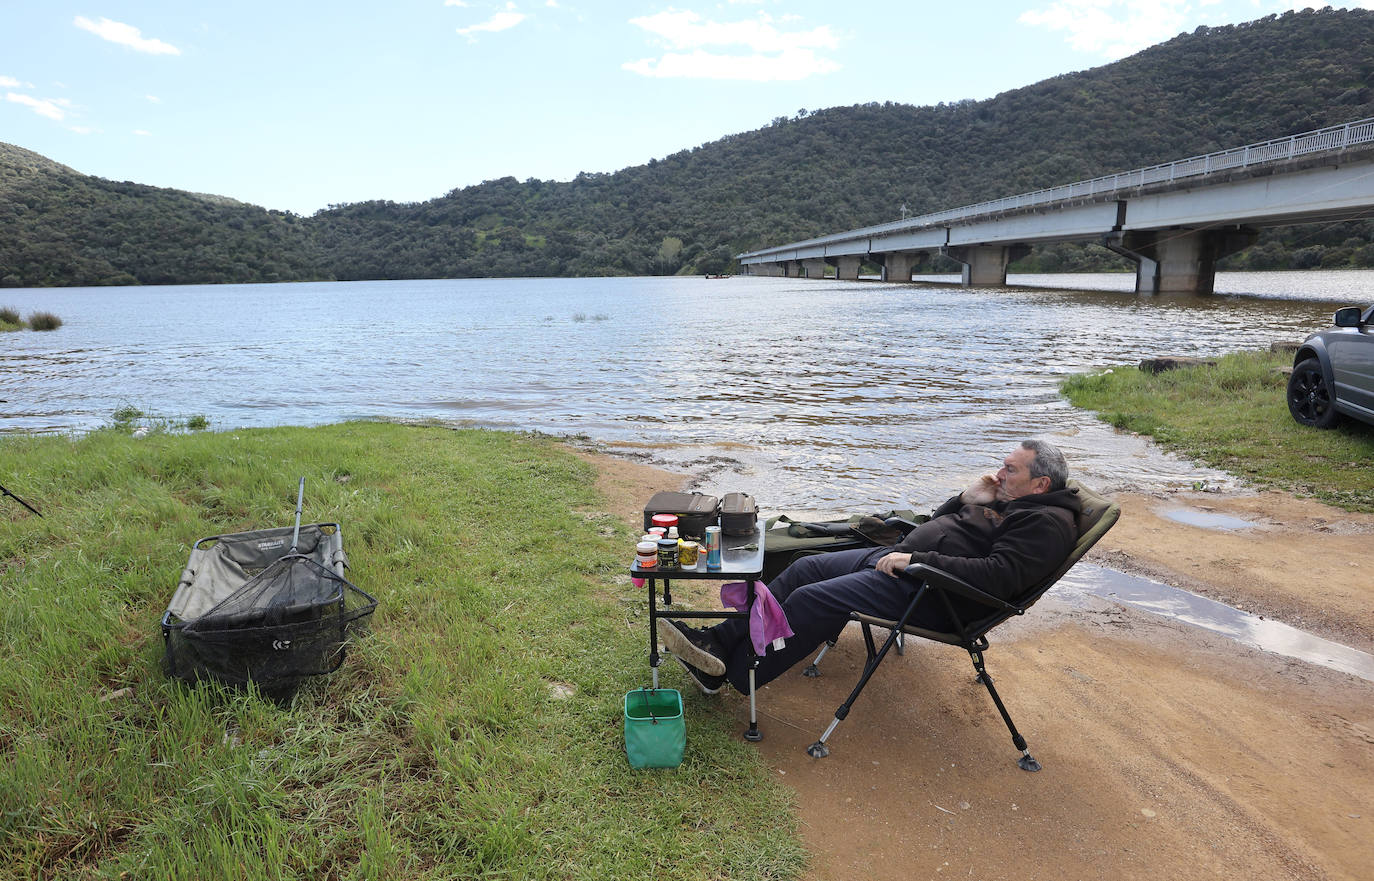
[[818, 395]]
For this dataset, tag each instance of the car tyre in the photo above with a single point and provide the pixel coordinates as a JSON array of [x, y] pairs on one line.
[[1309, 396]]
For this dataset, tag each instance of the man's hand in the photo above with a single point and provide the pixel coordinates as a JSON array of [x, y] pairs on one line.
[[983, 491], [893, 563]]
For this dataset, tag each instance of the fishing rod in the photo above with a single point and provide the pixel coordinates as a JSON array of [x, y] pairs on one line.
[[4, 491]]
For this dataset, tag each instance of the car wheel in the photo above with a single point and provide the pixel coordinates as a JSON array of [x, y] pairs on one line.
[[1309, 397]]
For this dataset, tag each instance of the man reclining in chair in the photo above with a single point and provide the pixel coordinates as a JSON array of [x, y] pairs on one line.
[[1003, 534]]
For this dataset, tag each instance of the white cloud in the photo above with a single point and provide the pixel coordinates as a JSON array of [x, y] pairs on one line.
[[153, 99], [52, 108], [767, 52], [683, 29], [1114, 28], [501, 21], [9, 82], [700, 64], [142, 133], [454, 3], [125, 35]]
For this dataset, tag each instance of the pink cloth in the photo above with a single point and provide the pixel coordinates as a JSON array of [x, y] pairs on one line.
[[767, 621]]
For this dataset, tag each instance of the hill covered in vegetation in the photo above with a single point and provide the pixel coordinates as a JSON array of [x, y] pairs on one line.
[[815, 173], [62, 227]]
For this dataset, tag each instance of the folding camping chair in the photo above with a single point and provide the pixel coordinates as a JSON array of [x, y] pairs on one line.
[[1097, 516]]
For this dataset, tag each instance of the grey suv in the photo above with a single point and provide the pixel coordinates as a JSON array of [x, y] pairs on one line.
[[1333, 372]]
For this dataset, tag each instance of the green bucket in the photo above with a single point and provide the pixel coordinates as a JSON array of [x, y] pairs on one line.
[[655, 729]]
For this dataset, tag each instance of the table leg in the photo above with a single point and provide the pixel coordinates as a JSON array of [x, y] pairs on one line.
[[654, 659], [754, 735]]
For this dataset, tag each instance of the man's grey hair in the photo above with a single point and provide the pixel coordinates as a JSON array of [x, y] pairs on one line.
[[1049, 462]]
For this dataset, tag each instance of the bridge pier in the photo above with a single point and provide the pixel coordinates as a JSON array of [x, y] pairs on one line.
[[896, 264], [985, 265], [1179, 261], [846, 268], [814, 268]]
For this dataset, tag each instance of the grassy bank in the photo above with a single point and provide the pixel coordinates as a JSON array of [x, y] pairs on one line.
[[1234, 416], [444, 748]]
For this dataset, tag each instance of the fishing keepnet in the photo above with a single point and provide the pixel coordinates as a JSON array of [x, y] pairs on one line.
[[247, 613]]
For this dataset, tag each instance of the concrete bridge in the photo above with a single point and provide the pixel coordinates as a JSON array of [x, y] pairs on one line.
[[1173, 220]]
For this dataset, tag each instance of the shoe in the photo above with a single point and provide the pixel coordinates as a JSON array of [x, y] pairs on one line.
[[697, 647], [707, 683]]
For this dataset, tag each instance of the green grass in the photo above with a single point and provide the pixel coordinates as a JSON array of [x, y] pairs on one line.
[[1234, 416], [9, 320], [44, 321], [128, 419], [441, 748]]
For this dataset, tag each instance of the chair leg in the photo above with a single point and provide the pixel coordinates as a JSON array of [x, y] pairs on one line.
[[813, 671], [819, 750], [1027, 762]]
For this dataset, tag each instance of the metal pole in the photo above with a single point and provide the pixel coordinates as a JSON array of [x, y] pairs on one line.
[[753, 735], [300, 497], [20, 501]]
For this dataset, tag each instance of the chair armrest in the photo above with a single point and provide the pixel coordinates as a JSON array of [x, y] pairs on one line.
[[901, 524], [942, 580]]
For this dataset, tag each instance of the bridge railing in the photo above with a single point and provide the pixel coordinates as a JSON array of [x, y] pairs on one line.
[[1332, 138]]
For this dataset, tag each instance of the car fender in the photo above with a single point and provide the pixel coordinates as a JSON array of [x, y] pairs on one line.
[[1315, 347]]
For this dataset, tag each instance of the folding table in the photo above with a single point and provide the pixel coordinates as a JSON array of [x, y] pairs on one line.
[[741, 560]]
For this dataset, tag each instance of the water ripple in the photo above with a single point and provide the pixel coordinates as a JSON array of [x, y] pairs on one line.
[[818, 394]]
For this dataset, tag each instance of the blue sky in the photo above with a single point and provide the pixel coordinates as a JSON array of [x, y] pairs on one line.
[[295, 104]]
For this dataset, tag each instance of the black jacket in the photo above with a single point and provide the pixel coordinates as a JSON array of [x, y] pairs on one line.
[[1003, 548]]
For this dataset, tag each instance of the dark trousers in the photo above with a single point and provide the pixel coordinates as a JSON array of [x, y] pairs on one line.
[[817, 593]]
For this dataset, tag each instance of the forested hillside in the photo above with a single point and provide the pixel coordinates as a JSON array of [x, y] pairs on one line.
[[816, 172], [60, 227]]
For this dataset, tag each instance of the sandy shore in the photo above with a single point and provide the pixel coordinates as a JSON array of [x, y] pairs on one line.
[[1169, 751]]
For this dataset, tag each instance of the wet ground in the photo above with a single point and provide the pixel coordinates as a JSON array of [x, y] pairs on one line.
[[1086, 580]]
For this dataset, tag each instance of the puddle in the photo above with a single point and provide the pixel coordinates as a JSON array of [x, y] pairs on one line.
[[1206, 519], [1161, 599]]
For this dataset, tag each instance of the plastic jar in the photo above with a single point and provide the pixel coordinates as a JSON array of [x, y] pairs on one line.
[[667, 553]]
